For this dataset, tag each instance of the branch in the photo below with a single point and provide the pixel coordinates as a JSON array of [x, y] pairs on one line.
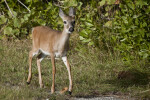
[[24, 6], [8, 8]]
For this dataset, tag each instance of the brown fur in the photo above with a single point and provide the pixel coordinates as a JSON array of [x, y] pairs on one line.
[[49, 40]]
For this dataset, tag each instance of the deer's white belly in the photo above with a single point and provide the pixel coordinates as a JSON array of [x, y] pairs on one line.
[[57, 54], [44, 52]]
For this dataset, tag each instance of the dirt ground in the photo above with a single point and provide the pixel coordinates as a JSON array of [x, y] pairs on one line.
[[106, 98]]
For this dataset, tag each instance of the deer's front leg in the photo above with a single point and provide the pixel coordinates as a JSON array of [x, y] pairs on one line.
[[53, 72], [69, 72]]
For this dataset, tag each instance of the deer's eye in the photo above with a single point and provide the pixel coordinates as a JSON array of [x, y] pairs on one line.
[[65, 22]]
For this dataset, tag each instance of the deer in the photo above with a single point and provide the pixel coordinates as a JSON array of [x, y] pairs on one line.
[[49, 42]]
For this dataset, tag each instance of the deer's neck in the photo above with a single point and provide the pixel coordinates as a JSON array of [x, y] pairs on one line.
[[64, 36], [63, 41]]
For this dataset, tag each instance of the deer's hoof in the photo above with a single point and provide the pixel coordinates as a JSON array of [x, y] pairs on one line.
[[69, 92], [28, 83]]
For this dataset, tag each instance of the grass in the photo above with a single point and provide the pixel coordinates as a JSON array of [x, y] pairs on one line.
[[95, 72]]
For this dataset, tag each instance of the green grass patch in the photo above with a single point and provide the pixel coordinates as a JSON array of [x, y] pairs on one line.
[[95, 72]]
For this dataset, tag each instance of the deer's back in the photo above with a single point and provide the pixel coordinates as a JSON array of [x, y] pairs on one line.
[[44, 37]]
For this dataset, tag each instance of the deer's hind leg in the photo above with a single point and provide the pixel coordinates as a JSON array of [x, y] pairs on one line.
[[30, 69], [31, 54], [40, 57]]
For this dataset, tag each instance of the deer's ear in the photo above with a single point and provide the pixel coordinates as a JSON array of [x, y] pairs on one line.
[[61, 13], [72, 12]]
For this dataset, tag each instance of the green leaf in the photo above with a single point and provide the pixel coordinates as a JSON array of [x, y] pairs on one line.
[[86, 40], [26, 16], [15, 13], [17, 23], [141, 3], [82, 19], [23, 31], [8, 31], [144, 24], [88, 24], [73, 3], [16, 31], [137, 21], [91, 43], [41, 22], [79, 5], [144, 53], [123, 40], [69, 3], [84, 33], [131, 5], [107, 8], [106, 14], [102, 3], [22, 20], [28, 1], [133, 27], [81, 38], [125, 19], [110, 1], [2, 19], [108, 24], [135, 16]]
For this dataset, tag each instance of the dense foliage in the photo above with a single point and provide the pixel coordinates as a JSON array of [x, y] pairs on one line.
[[121, 25]]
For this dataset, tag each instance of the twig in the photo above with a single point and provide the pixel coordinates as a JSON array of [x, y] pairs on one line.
[[24, 6], [8, 8]]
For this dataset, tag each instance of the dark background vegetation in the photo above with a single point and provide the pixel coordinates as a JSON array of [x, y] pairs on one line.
[[111, 41]]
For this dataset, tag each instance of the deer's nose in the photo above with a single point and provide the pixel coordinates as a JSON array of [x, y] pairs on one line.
[[71, 29]]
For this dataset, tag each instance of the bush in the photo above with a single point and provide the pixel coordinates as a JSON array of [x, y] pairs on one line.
[[109, 24]]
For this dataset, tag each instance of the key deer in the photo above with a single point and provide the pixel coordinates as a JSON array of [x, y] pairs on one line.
[[53, 43]]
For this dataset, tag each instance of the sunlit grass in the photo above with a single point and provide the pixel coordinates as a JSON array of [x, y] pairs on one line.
[[94, 71]]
